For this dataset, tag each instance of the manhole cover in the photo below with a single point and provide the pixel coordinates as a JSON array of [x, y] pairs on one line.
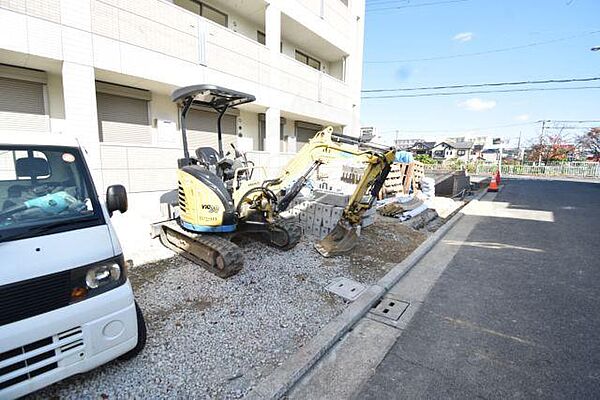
[[346, 288], [390, 308]]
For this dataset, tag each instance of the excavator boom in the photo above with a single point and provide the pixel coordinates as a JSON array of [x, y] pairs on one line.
[[322, 149]]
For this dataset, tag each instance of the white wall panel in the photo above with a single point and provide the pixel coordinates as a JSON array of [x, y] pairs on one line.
[[44, 38], [13, 31]]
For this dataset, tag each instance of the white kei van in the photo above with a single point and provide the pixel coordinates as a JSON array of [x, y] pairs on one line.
[[66, 304]]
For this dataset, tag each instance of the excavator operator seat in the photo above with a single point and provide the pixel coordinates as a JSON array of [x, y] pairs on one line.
[[207, 155]]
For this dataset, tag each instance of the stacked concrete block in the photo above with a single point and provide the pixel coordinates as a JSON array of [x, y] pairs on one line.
[[318, 216], [331, 198], [336, 214], [310, 219], [368, 217]]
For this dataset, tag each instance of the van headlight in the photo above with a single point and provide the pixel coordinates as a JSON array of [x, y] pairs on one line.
[[100, 275], [97, 278]]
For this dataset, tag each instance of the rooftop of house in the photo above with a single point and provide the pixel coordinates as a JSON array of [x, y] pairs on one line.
[[457, 145], [462, 145], [423, 145]]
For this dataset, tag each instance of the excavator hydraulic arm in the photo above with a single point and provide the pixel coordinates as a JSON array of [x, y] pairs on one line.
[[323, 149], [345, 236]]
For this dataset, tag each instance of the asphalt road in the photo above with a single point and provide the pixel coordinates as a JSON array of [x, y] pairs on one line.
[[516, 314]]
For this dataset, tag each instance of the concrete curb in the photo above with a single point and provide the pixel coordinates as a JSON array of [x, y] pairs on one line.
[[291, 371]]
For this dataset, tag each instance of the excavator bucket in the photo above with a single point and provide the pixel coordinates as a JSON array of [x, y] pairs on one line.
[[342, 239]]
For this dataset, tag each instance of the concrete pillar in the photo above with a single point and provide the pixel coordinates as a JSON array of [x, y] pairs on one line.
[[81, 115], [354, 64], [273, 28], [272, 130], [273, 40]]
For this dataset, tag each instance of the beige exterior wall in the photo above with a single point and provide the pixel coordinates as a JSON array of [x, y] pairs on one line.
[[157, 46]]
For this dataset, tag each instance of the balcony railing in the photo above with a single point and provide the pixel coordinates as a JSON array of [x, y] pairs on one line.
[[169, 30], [334, 13]]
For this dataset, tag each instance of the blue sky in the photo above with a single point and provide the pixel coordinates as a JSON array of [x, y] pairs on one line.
[[475, 26]]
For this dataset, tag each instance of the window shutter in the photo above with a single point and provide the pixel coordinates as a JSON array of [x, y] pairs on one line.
[[22, 106], [202, 130], [123, 119]]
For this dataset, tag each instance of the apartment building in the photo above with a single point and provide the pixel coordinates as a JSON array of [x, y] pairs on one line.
[[103, 70]]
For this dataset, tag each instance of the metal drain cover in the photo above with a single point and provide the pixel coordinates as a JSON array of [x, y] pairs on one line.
[[346, 288], [390, 308]]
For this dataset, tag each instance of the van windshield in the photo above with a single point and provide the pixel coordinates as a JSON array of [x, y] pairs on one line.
[[43, 190]]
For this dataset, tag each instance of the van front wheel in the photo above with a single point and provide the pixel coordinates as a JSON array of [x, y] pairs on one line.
[[141, 330]]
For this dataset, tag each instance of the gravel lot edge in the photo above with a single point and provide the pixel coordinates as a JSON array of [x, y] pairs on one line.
[[291, 371]]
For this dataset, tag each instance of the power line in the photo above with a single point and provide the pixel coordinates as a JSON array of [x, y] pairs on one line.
[[385, 3], [417, 5], [476, 92], [486, 128], [480, 53], [484, 85], [378, 2], [464, 129], [570, 127], [575, 122]]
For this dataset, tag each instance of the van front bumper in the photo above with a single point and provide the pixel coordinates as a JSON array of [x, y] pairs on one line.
[[41, 350]]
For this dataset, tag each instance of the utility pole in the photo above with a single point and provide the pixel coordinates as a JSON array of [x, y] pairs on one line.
[[519, 148], [541, 142], [500, 156]]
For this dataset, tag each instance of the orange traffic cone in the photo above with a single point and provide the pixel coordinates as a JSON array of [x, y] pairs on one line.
[[493, 187], [498, 177]]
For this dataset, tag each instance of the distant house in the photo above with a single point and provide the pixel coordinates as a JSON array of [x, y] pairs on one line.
[[406, 144], [448, 150], [490, 155], [422, 148], [476, 152]]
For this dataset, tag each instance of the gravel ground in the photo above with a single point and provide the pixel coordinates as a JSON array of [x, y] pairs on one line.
[[214, 338]]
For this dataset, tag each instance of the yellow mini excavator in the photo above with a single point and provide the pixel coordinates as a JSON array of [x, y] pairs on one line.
[[218, 197]]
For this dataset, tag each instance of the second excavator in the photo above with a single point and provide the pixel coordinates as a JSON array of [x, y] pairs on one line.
[[219, 198]]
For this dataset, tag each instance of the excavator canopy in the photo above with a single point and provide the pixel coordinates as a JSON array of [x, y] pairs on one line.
[[212, 96], [215, 97]]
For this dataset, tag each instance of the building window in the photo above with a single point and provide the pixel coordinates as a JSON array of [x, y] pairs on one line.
[[438, 153], [460, 152], [123, 115], [260, 37], [204, 10], [308, 60], [213, 14]]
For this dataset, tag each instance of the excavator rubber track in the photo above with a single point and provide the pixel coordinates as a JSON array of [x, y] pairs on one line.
[[289, 230], [214, 253]]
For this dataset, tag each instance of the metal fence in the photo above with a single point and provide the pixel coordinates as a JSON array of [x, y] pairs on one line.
[[574, 169], [580, 170]]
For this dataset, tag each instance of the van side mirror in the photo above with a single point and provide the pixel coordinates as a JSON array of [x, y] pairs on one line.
[[116, 199]]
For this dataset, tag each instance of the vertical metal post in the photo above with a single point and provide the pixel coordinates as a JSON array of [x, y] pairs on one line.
[[500, 158], [219, 131], [183, 122]]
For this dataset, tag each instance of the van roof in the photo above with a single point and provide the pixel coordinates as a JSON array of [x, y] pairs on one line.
[[38, 138]]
